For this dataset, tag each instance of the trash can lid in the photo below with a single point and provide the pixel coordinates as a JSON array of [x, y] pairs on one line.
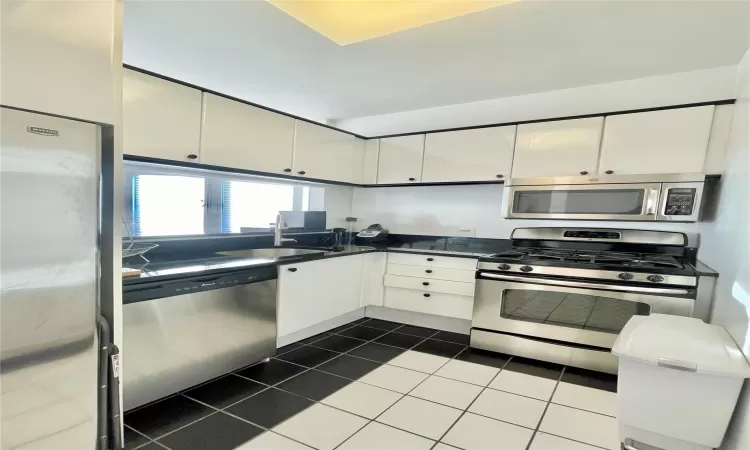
[[682, 343]]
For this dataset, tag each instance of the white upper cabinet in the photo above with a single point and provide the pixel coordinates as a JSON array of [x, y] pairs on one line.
[[370, 163], [481, 154], [160, 119], [557, 149], [400, 159], [241, 136], [323, 153], [666, 141]]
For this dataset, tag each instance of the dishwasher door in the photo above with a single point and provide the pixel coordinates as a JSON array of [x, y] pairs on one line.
[[173, 343]]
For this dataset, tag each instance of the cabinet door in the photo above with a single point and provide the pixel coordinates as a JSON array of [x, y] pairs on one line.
[[557, 149], [316, 291], [245, 137], [160, 119], [370, 163], [326, 154], [667, 141], [401, 159], [482, 154], [372, 278]]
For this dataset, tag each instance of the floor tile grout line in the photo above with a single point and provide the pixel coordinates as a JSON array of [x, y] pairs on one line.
[[394, 403], [546, 407], [463, 413], [265, 429]]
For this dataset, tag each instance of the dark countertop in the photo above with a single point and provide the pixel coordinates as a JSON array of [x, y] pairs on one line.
[[704, 270], [215, 263]]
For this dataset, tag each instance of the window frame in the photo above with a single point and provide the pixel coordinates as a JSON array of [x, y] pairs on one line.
[[213, 184]]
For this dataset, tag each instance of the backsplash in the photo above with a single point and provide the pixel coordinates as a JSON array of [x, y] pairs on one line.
[[467, 211]]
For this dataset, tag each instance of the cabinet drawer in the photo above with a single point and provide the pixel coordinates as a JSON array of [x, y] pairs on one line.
[[439, 304], [432, 261], [434, 273], [429, 285]]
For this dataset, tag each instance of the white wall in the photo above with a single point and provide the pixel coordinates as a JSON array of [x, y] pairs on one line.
[[678, 88], [446, 210], [726, 247]]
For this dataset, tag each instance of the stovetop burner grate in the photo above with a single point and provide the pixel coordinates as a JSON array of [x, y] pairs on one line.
[[625, 259]]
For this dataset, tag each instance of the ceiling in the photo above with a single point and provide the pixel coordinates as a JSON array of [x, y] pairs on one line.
[[253, 50]]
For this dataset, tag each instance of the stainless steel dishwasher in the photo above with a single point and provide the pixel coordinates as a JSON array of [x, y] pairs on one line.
[[186, 331]]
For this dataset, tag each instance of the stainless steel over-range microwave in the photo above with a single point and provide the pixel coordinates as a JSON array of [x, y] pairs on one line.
[[668, 197]]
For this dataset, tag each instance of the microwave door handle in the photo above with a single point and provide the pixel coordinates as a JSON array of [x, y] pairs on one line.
[[578, 284], [652, 201]]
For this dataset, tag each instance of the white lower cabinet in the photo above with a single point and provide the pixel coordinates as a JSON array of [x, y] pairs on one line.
[[430, 284], [372, 278], [440, 304], [316, 291]]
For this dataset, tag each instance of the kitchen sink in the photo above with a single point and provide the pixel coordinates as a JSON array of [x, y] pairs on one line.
[[272, 252]]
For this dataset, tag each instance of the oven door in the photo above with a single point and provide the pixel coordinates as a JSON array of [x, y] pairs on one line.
[[638, 201], [581, 312]]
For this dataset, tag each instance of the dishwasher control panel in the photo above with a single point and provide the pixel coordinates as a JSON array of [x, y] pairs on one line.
[[194, 284]]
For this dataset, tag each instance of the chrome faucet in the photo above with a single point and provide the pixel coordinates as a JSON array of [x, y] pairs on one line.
[[277, 229]]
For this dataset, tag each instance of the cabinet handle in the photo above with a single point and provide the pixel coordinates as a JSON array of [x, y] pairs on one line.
[[430, 259], [301, 172], [584, 172], [192, 156], [428, 271], [609, 172], [412, 179], [498, 176], [426, 295], [292, 269], [287, 170], [424, 283]]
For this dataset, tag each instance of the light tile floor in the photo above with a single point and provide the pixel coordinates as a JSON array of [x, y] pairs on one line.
[[431, 393]]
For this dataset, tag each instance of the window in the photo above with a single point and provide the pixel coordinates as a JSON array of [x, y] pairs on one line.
[[172, 201], [168, 205]]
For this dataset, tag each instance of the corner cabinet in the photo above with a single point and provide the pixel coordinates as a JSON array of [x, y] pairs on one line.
[[241, 136], [160, 119], [400, 159], [482, 154], [558, 148], [666, 141], [316, 291], [326, 154]]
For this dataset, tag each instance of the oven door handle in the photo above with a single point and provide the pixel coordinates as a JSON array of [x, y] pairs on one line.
[[609, 287]]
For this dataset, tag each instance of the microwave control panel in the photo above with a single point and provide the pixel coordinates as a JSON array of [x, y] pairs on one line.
[[680, 202]]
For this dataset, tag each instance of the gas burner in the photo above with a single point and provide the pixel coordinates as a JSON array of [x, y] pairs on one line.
[[625, 259]]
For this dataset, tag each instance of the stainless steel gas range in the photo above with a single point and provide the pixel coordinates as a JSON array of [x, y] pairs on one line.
[[563, 294]]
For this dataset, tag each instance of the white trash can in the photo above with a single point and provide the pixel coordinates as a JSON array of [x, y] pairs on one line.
[[678, 383]]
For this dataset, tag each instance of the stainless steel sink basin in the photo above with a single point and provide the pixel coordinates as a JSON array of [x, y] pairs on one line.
[[273, 252]]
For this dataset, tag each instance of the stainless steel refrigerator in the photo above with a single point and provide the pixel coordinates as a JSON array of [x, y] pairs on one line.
[[50, 358]]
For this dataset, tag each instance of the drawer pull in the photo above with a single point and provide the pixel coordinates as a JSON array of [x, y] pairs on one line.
[[428, 271], [430, 259], [426, 295], [424, 283]]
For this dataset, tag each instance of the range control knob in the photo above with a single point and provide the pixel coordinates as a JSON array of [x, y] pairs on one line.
[[655, 278], [625, 276], [504, 267], [526, 268]]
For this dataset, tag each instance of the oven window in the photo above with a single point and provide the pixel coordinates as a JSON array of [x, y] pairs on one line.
[[585, 312], [614, 201]]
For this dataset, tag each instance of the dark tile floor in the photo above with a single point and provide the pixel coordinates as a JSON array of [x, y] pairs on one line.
[[355, 369]]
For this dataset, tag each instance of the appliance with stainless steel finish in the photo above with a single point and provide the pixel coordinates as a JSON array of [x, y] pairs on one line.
[[186, 331], [668, 197], [50, 284], [563, 294]]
